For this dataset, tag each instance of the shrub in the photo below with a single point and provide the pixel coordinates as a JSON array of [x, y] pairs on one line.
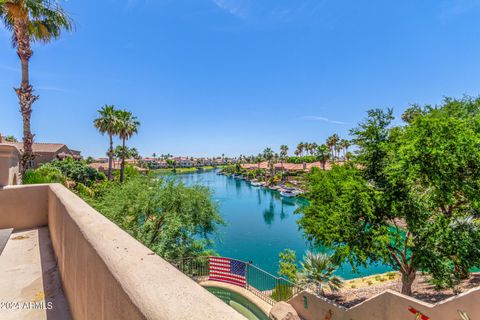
[[282, 292], [45, 174], [78, 171]]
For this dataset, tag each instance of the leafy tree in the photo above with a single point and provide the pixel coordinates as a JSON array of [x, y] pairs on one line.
[[89, 160], [439, 157], [31, 21], [127, 125], [107, 123], [170, 218], [409, 200], [318, 270], [288, 265]]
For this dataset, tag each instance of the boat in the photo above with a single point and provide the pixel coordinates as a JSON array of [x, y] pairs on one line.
[[255, 183], [287, 193]]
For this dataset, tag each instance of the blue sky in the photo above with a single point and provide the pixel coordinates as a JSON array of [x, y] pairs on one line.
[[207, 77]]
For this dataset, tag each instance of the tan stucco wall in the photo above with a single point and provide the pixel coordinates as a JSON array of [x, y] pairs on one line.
[[9, 165], [388, 305], [23, 207], [105, 273]]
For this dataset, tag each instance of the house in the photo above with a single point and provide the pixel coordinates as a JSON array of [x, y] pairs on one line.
[[47, 152]]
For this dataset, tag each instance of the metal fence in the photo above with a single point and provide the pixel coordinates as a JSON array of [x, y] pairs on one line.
[[261, 283]]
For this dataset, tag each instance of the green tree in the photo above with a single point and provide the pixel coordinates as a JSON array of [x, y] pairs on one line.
[[323, 155], [107, 123], [409, 199], [172, 164], [127, 125], [288, 265], [318, 270], [173, 220], [31, 21], [439, 158]]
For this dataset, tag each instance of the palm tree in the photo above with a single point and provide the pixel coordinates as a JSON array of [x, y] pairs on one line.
[[345, 144], [31, 21], [283, 153], [127, 126], [300, 148], [323, 154], [269, 156], [317, 270], [107, 123], [332, 141]]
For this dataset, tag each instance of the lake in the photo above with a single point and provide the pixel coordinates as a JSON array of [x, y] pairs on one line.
[[259, 223]]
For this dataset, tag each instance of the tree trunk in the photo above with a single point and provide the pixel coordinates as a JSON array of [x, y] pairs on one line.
[[25, 94], [407, 282], [110, 158], [122, 166]]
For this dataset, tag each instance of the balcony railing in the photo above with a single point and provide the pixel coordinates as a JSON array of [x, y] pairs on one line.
[[264, 285]]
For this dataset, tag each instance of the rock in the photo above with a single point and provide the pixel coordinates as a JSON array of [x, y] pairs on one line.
[[283, 311]]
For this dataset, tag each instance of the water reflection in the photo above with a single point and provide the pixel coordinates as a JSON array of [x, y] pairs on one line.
[[260, 222]]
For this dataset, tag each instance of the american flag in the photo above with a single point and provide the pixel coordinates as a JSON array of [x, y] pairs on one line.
[[228, 270]]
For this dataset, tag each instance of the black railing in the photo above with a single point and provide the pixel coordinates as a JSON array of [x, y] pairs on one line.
[[261, 283]]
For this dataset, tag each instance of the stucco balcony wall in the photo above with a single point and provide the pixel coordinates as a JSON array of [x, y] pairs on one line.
[[105, 273]]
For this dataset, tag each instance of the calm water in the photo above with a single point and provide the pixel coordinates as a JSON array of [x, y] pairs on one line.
[[260, 223]]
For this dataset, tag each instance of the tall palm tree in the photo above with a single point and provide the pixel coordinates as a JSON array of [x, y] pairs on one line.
[[317, 270], [127, 126], [323, 154], [345, 144], [31, 21], [332, 142], [107, 123], [300, 148], [269, 157], [283, 153]]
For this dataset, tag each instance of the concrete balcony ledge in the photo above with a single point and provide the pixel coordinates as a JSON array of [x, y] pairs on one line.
[[104, 272]]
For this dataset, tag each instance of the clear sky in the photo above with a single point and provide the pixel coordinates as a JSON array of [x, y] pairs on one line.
[[207, 77]]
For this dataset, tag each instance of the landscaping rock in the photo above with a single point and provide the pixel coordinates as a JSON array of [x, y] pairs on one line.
[[283, 311]]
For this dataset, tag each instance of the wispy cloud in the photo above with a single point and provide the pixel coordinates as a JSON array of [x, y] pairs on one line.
[[318, 118], [237, 8], [272, 11]]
